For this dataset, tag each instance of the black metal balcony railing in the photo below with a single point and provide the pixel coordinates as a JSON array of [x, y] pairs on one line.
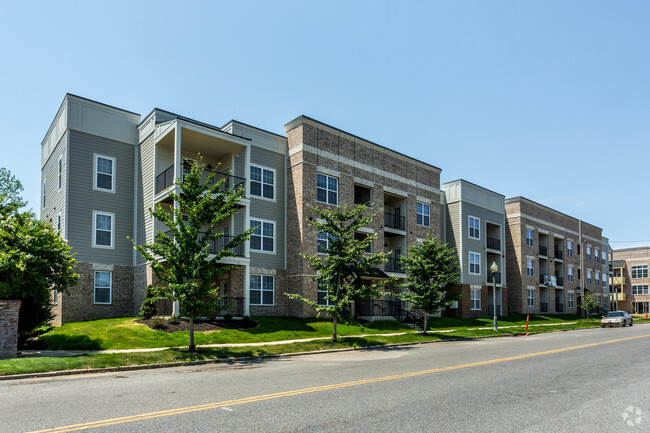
[[494, 243], [559, 281], [394, 221], [559, 308], [166, 179], [558, 253], [393, 265], [497, 277], [543, 251], [216, 245], [380, 307], [543, 279], [543, 307], [232, 306]]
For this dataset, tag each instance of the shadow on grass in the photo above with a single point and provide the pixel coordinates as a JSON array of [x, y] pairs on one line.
[[70, 342], [267, 325]]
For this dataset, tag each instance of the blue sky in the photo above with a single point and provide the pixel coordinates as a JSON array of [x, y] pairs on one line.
[[546, 99]]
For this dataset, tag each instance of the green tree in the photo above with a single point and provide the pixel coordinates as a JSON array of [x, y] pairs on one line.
[[589, 302], [431, 273], [344, 262], [34, 260], [180, 258]]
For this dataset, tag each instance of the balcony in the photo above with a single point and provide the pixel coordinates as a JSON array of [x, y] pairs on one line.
[[558, 254], [543, 307], [621, 297], [619, 281], [543, 251], [493, 243], [543, 279], [497, 277], [559, 281], [394, 221], [393, 265], [559, 308], [232, 306], [166, 179], [216, 245]]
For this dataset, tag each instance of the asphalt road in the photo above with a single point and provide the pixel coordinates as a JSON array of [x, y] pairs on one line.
[[594, 380]]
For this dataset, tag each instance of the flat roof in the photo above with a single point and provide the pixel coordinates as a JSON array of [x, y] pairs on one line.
[[472, 183], [520, 198]]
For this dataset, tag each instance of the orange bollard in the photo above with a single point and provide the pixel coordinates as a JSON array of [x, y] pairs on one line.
[[528, 315], [646, 316]]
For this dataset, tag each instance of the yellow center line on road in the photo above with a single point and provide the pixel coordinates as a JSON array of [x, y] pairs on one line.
[[179, 411]]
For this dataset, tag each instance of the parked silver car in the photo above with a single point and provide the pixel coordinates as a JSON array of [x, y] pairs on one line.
[[616, 318]]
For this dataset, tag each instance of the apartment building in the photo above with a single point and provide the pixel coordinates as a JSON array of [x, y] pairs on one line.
[[629, 290], [553, 258], [475, 226], [103, 168]]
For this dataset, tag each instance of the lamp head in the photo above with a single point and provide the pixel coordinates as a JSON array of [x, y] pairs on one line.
[[494, 268]]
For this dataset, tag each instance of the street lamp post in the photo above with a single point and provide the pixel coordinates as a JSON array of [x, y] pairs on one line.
[[494, 268]]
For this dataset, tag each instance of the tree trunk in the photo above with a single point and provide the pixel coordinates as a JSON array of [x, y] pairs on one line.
[[192, 347], [334, 340], [426, 316]]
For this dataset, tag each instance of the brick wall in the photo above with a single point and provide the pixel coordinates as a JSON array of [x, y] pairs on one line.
[[9, 328]]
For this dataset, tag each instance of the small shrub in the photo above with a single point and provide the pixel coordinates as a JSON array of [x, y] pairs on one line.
[[247, 319], [158, 323], [173, 319], [227, 317], [148, 308]]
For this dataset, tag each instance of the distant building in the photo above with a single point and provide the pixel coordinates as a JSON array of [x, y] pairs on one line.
[[630, 289]]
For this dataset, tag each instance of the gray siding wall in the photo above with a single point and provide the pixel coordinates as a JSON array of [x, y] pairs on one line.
[[83, 199], [271, 210], [478, 245], [54, 198], [144, 198], [453, 225]]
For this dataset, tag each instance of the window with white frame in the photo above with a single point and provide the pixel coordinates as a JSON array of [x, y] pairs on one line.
[[475, 263], [55, 296], [589, 281], [324, 242], [423, 214], [570, 274], [605, 280], [322, 292], [262, 183], [103, 229], [103, 287], [327, 189], [640, 271], [597, 255], [605, 302], [531, 298], [475, 299], [44, 191], [529, 238], [262, 289], [639, 290], [569, 248], [588, 253], [604, 259], [60, 172], [263, 237], [474, 228], [571, 300], [104, 179], [530, 267], [597, 278]]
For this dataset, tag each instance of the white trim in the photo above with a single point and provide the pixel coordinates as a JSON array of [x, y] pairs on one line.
[[94, 226], [469, 263], [113, 173], [262, 220], [59, 173], [110, 288], [327, 190], [469, 227], [428, 215], [262, 304], [275, 179]]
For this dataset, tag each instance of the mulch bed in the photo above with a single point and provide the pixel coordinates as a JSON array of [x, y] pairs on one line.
[[199, 325]]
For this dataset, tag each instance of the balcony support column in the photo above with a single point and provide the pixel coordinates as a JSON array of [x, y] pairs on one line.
[[176, 308], [247, 298]]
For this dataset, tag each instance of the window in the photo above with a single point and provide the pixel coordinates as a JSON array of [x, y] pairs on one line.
[[597, 256], [604, 260], [639, 290], [103, 287], [327, 189], [570, 274], [58, 223], [474, 263], [55, 296], [323, 291], [604, 280], [60, 171], [44, 189], [262, 289], [529, 238], [605, 302], [104, 179], [588, 253], [531, 298], [640, 271], [262, 182], [475, 299], [588, 277], [474, 228], [530, 267], [597, 278], [423, 214], [569, 248], [103, 233], [262, 238], [571, 300], [324, 241]]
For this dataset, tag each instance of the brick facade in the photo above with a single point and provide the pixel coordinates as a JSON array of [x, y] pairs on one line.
[[9, 311], [632, 257]]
